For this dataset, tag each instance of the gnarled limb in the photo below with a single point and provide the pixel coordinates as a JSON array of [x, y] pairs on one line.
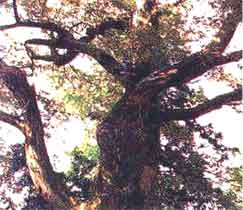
[[183, 72], [197, 64], [108, 62], [73, 47], [43, 176], [199, 110], [64, 35]]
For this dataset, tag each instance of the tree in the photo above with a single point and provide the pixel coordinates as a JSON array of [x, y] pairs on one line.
[[144, 50]]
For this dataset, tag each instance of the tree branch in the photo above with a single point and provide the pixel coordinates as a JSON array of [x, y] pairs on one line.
[[66, 41], [183, 72], [197, 64], [50, 26], [10, 119], [204, 108], [232, 9], [38, 162], [77, 46], [110, 23], [107, 61], [16, 14], [178, 2], [92, 32]]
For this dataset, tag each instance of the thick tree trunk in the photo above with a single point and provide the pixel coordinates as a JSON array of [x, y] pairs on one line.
[[129, 146]]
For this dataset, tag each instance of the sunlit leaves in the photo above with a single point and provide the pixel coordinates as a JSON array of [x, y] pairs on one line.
[[144, 42], [182, 97], [85, 93], [82, 174], [139, 44], [235, 186], [228, 79]]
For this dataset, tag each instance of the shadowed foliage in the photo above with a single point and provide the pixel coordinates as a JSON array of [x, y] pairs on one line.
[[140, 90]]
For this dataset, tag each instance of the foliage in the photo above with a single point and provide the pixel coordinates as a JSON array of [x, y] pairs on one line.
[[84, 93], [140, 43], [81, 177], [15, 182], [190, 175], [189, 170], [236, 186]]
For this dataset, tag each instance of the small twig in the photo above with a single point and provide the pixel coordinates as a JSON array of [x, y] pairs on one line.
[[16, 14], [76, 24], [24, 109], [177, 3]]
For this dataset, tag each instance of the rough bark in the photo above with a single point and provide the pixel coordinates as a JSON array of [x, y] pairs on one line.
[[128, 140], [46, 181], [129, 146]]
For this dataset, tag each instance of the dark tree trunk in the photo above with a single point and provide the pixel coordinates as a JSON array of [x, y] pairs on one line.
[[128, 140], [129, 146]]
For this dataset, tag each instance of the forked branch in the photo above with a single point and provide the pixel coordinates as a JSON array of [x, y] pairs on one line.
[[72, 46], [183, 72], [38, 162]]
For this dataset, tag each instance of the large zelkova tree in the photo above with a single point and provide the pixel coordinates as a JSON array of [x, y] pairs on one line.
[[148, 154]]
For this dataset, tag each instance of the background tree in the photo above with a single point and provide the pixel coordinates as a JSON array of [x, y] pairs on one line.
[[148, 154]]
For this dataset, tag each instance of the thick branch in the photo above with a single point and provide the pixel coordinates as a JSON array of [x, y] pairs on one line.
[[233, 13], [104, 59], [74, 47], [38, 162], [190, 68], [10, 119], [197, 64], [92, 32], [52, 27], [204, 108]]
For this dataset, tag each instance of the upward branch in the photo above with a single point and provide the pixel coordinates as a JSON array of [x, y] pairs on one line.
[[16, 14], [183, 72], [38, 162], [232, 16]]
